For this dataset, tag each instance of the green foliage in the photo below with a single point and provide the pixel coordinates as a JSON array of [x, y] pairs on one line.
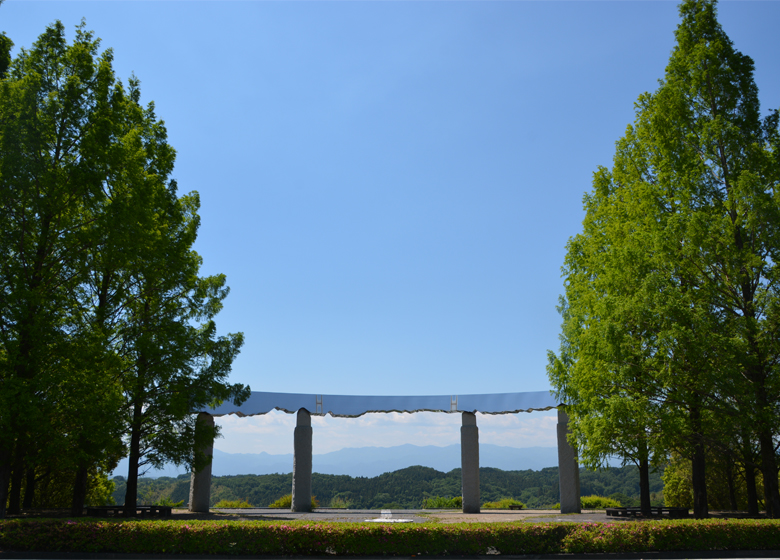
[[298, 538], [438, 502], [101, 491], [671, 317], [153, 490], [175, 361], [340, 502], [108, 328], [58, 107], [234, 504], [503, 504], [726, 485], [598, 502], [284, 502], [169, 503], [54, 487], [406, 487], [5, 53], [678, 489]]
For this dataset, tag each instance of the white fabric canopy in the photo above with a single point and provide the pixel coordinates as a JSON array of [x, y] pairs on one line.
[[352, 406]]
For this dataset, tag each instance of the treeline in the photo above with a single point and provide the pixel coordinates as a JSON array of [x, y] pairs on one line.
[[107, 338], [670, 344], [402, 489]]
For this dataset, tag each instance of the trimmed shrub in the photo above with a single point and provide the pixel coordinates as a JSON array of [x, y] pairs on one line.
[[285, 502], [340, 502], [503, 503], [437, 502], [233, 504], [598, 502], [318, 539], [168, 502]]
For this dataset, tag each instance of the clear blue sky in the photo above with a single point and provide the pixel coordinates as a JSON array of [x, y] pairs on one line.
[[389, 186]]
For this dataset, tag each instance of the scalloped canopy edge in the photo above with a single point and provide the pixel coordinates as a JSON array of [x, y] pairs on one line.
[[353, 406]]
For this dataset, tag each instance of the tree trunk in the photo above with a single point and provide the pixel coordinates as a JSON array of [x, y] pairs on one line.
[[17, 476], [731, 485], [698, 471], [698, 468], [752, 492], [131, 494], [15, 495], [644, 487], [29, 489], [766, 446], [769, 470], [758, 373], [5, 479], [80, 486], [750, 473]]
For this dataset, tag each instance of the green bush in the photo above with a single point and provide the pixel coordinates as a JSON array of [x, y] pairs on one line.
[[340, 502], [168, 502], [437, 502], [678, 486], [597, 502], [286, 502], [299, 538], [233, 504], [503, 503]]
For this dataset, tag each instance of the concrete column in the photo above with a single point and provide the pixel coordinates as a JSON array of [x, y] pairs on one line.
[[301, 485], [469, 462], [568, 469], [200, 481]]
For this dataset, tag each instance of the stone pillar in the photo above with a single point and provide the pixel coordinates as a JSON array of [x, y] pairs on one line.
[[568, 469], [301, 485], [200, 481], [469, 462]]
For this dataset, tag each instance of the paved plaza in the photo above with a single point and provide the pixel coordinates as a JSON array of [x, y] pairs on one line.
[[403, 515]]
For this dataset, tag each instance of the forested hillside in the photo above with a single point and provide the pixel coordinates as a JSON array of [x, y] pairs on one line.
[[405, 488]]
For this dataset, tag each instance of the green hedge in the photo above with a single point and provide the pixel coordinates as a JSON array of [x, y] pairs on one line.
[[305, 538], [503, 503], [597, 502], [437, 502]]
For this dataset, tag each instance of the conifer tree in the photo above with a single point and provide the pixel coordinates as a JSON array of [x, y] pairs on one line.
[[106, 329], [675, 275]]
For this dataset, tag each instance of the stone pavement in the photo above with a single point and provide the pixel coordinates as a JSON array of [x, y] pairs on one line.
[[530, 515], [413, 515]]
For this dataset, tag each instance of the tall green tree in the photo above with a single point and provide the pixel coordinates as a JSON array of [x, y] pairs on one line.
[[691, 205], [106, 329], [56, 107], [5, 53], [605, 369], [175, 363]]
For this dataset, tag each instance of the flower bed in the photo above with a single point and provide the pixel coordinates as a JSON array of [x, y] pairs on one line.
[[306, 538]]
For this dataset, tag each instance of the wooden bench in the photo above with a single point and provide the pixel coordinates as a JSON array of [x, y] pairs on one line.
[[515, 506], [119, 511], [670, 512]]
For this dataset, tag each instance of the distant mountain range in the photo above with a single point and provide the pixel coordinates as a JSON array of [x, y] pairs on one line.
[[372, 461]]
